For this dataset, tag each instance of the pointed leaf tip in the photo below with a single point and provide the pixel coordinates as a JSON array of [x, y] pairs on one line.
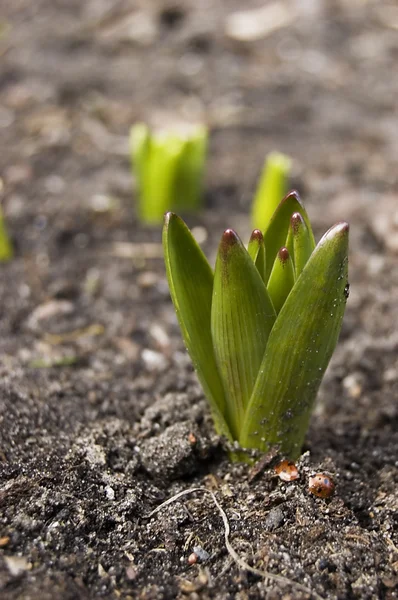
[[277, 233], [293, 193], [256, 235], [256, 250], [339, 229], [281, 279], [300, 242], [229, 238], [283, 255], [297, 222], [168, 216]]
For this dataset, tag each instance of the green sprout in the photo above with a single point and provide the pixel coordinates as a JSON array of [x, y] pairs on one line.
[[6, 250], [169, 168], [262, 327], [273, 186]]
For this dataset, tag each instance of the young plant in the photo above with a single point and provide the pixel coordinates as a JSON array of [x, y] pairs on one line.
[[262, 328], [273, 186], [169, 168], [6, 251]]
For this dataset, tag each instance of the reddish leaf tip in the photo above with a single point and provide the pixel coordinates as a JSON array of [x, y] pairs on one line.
[[296, 222], [256, 235], [229, 241], [283, 255], [229, 238]]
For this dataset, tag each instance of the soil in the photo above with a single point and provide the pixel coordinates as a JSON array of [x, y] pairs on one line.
[[102, 418]]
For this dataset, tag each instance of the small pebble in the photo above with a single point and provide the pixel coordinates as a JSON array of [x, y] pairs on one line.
[[353, 384], [255, 24], [321, 485], [17, 565], [110, 492], [192, 438], [286, 470], [201, 553], [154, 361], [274, 519]]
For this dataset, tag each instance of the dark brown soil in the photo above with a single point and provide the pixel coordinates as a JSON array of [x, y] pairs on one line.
[[101, 417]]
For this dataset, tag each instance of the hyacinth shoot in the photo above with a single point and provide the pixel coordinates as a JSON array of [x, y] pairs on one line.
[[169, 169], [262, 327]]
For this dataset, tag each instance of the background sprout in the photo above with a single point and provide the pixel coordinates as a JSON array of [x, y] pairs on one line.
[[6, 250], [262, 328], [273, 186], [169, 168]]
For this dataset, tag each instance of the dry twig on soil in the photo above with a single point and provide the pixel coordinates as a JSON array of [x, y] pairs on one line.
[[231, 551]]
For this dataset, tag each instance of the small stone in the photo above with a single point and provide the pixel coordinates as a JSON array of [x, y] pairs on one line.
[[201, 553], [286, 470], [321, 485], [390, 374], [131, 573], [110, 492], [154, 361], [147, 279], [353, 385], [256, 24], [127, 347], [274, 519], [159, 335], [192, 438], [103, 203], [17, 565]]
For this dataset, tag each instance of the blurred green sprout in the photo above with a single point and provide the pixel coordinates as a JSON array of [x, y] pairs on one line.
[[6, 250], [272, 186], [169, 169], [262, 327]]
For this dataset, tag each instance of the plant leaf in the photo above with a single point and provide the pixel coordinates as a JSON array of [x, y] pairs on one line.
[[281, 279], [256, 250], [6, 248], [160, 175], [191, 286], [242, 317], [299, 349], [271, 189], [276, 234], [188, 185], [140, 150], [302, 243], [139, 145], [154, 162]]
